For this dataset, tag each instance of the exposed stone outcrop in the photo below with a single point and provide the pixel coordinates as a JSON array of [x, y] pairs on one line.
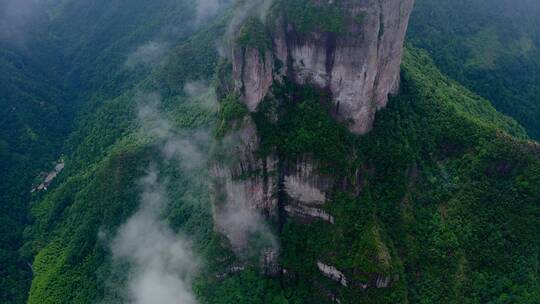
[[376, 281], [253, 74], [241, 175], [301, 191], [304, 184], [49, 177], [230, 271], [332, 273], [309, 212], [244, 187], [359, 65], [383, 282]]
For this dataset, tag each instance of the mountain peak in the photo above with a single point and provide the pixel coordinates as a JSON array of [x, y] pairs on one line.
[[352, 49]]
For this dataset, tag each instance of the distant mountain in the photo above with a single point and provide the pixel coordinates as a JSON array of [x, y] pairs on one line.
[[490, 46]]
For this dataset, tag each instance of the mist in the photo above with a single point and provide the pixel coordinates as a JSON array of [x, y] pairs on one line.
[[235, 216], [149, 54], [200, 93], [247, 9], [154, 52], [242, 12], [17, 17], [243, 225], [161, 263], [207, 9]]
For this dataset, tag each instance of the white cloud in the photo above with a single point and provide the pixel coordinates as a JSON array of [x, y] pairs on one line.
[[162, 264], [148, 55]]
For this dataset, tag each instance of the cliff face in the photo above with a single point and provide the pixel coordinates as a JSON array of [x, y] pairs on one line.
[[350, 52], [357, 60], [350, 49]]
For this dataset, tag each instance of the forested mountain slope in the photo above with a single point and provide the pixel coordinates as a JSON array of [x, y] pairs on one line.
[[59, 61], [434, 159], [437, 203], [32, 128], [448, 198], [490, 46], [33, 125], [71, 260]]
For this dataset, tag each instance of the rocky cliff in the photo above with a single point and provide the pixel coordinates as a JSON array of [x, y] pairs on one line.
[[352, 48], [349, 53]]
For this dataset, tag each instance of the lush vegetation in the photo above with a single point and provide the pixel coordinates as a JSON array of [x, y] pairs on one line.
[[304, 127], [230, 110], [253, 34], [442, 197], [448, 201], [308, 17], [32, 126], [66, 59], [69, 257], [490, 46]]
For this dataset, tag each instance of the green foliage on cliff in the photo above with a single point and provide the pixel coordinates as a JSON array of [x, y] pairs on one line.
[[247, 287], [309, 17], [231, 111], [296, 124], [254, 34], [448, 197]]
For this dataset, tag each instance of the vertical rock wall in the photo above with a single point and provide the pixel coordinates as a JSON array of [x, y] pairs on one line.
[[358, 64]]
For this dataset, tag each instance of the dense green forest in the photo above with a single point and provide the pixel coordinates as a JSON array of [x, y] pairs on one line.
[[437, 153], [449, 203], [60, 61], [490, 46]]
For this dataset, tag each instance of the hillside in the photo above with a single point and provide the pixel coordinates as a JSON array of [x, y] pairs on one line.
[[491, 47], [234, 167], [60, 60]]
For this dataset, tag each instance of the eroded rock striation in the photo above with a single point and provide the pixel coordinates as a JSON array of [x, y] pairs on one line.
[[350, 51], [356, 58]]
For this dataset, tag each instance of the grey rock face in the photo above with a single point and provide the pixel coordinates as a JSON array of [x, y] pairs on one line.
[[309, 212], [359, 65], [332, 273], [303, 183], [244, 188], [241, 176], [252, 72]]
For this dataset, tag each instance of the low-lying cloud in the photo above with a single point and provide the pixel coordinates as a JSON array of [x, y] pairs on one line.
[[207, 9], [202, 94], [182, 147], [242, 224], [161, 262], [237, 202], [17, 17], [148, 55], [154, 52], [243, 11]]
